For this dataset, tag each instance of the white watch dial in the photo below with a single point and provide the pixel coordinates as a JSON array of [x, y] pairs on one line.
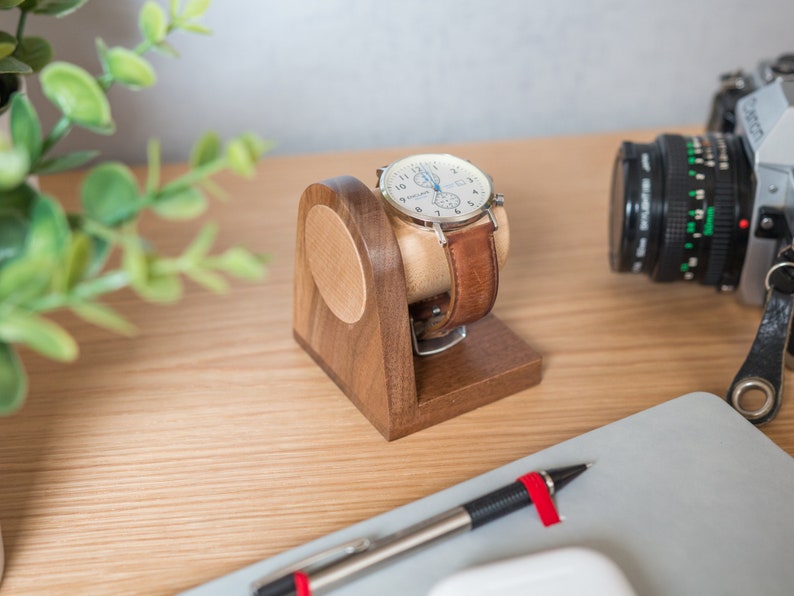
[[436, 188]]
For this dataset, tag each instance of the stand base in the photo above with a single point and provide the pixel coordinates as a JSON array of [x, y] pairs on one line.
[[490, 364]]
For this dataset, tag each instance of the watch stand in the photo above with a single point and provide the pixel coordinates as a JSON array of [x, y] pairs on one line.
[[351, 317]]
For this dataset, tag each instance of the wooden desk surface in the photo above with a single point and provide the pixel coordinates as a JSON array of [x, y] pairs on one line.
[[211, 440]]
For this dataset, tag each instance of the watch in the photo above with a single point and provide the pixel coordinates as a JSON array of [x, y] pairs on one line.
[[453, 198]]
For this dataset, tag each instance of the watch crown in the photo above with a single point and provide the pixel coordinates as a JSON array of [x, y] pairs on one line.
[[499, 199]]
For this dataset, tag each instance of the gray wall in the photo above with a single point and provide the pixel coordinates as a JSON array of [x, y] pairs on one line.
[[325, 75]]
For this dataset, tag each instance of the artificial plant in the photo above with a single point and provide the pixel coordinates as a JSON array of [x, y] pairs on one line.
[[51, 259]]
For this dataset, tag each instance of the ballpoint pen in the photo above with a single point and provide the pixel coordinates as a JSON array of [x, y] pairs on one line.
[[346, 560]]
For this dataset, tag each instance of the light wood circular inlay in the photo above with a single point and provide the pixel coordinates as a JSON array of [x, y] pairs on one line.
[[335, 263]]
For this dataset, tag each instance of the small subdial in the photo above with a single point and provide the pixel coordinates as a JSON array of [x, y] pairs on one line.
[[446, 200], [426, 180]]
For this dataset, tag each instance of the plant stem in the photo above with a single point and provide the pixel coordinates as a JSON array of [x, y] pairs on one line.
[[60, 130], [143, 47], [23, 16], [194, 176], [48, 302], [106, 233], [105, 81], [109, 282]]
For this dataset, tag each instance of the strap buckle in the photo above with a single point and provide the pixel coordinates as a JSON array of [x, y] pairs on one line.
[[436, 345]]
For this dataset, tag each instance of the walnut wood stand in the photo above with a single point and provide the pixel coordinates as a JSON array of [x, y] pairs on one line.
[[351, 316]]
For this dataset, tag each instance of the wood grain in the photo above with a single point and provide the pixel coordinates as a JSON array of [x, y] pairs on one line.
[[212, 440], [370, 356], [335, 264]]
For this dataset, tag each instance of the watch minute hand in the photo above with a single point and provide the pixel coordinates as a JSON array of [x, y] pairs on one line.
[[431, 179]]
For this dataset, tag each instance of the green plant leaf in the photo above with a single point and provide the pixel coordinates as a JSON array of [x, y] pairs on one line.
[[195, 8], [153, 163], [6, 4], [166, 49], [24, 279], [38, 333], [78, 95], [208, 280], [164, 288], [62, 163], [240, 159], [77, 261], [134, 263], [20, 199], [185, 203], [11, 65], [14, 166], [103, 316], [8, 43], [96, 286], [13, 380], [25, 127], [241, 263], [110, 194], [31, 274], [255, 145], [13, 233], [49, 234], [150, 285], [153, 22], [214, 189], [129, 69], [100, 251], [102, 53], [205, 150], [196, 28], [201, 244], [58, 8], [15, 208], [36, 52]]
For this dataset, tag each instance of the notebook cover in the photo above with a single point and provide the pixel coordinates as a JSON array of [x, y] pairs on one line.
[[686, 498]]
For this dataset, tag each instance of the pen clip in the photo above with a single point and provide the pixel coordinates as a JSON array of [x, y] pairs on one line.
[[326, 557]]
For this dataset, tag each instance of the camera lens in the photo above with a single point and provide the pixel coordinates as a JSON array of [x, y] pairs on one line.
[[681, 209]]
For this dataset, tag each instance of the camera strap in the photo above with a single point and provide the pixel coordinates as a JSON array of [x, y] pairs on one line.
[[762, 371]]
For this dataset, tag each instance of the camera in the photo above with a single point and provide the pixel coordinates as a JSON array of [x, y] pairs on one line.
[[717, 207]]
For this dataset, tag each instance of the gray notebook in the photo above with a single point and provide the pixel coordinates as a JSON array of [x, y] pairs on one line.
[[686, 498]]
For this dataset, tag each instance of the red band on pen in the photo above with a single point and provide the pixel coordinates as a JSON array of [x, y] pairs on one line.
[[301, 584], [541, 498]]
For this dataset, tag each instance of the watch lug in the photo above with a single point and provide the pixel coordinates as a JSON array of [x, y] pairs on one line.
[[442, 239], [492, 217]]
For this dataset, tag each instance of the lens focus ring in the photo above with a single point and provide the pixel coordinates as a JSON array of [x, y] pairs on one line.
[[676, 202]]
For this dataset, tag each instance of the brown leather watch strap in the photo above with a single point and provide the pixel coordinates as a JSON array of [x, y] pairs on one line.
[[474, 279]]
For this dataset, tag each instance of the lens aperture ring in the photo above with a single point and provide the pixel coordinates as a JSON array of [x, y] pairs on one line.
[[723, 224]]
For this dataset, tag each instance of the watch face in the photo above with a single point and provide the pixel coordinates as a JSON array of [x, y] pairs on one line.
[[436, 188]]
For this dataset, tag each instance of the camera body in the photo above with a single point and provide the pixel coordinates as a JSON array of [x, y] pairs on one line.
[[763, 118], [714, 208]]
